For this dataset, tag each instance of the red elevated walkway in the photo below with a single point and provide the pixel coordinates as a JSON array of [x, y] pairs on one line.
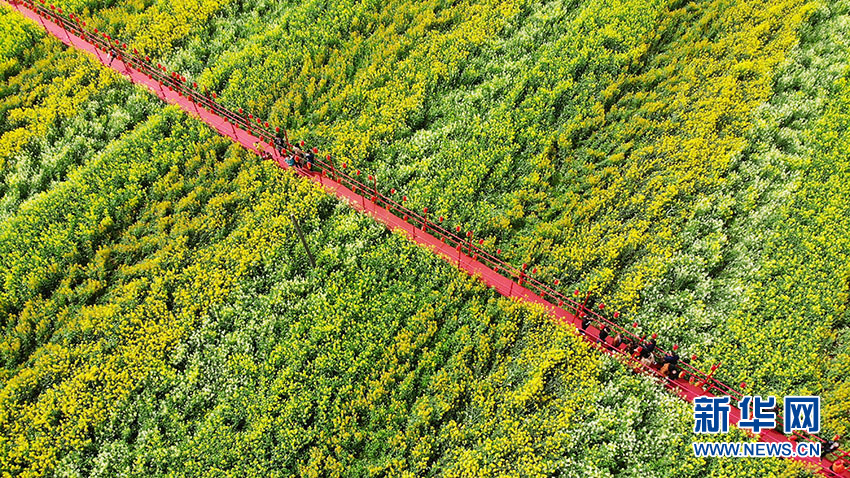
[[456, 248]]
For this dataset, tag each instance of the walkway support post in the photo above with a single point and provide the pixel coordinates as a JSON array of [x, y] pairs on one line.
[[303, 241]]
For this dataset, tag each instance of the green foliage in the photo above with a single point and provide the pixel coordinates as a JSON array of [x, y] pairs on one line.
[[598, 140], [779, 243], [160, 318], [805, 282], [56, 108], [103, 272]]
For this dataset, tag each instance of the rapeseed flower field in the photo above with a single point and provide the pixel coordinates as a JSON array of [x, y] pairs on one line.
[[683, 163]]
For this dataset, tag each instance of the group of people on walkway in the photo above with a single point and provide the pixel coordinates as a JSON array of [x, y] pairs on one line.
[[293, 155], [642, 349], [832, 446], [668, 367]]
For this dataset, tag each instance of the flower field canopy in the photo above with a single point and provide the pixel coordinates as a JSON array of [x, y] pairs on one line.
[[783, 246], [805, 283], [158, 305], [436, 142], [599, 140], [56, 108]]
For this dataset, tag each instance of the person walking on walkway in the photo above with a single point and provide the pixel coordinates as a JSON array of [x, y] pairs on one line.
[[830, 446], [291, 160], [112, 55], [309, 159], [618, 340], [603, 335], [672, 357], [279, 145], [648, 349], [585, 321], [670, 362]]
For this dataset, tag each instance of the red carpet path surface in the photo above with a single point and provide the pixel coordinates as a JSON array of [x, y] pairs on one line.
[[457, 248]]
